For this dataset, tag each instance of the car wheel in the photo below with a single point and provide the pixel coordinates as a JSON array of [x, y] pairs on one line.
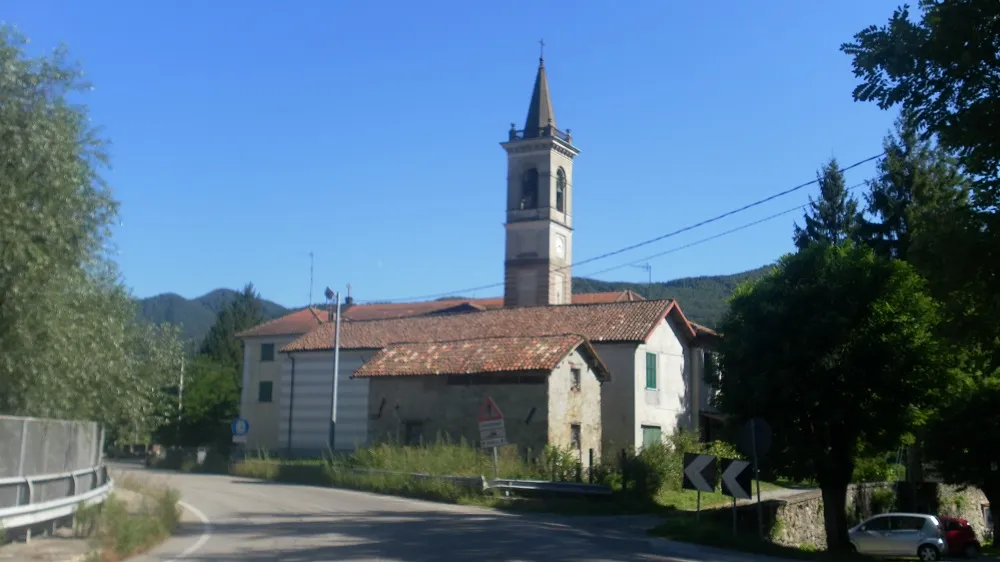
[[971, 550], [928, 552]]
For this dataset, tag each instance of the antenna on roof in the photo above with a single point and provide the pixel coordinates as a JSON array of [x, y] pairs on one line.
[[649, 274], [310, 279]]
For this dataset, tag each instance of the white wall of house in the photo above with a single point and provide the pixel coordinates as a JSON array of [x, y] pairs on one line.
[[309, 396], [629, 409], [668, 406], [261, 413]]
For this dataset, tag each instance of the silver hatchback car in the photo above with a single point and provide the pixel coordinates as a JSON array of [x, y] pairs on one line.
[[900, 534]]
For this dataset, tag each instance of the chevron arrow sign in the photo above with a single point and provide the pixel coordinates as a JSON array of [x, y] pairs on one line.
[[736, 479], [699, 472]]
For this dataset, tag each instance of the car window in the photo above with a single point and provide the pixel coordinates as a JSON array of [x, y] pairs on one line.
[[952, 525], [907, 523], [877, 524]]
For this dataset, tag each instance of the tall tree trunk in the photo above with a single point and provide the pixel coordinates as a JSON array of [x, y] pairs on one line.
[[992, 494], [835, 517]]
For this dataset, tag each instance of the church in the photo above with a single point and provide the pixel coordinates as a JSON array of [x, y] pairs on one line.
[[585, 372]]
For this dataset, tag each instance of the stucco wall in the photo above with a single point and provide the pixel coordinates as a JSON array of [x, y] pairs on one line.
[[669, 405], [618, 396], [262, 416], [311, 402], [568, 406], [452, 410]]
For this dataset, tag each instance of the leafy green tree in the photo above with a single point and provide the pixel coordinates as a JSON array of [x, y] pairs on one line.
[[70, 343], [836, 350], [943, 67], [963, 439], [832, 218], [917, 186], [244, 312], [211, 401]]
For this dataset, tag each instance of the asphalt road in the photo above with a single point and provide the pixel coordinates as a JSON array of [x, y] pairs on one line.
[[230, 518]]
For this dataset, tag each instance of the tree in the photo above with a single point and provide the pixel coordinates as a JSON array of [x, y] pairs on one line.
[[835, 349], [917, 186], [963, 439], [211, 401], [70, 344], [832, 218], [243, 313], [943, 68]]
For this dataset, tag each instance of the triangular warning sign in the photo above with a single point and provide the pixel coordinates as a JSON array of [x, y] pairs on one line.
[[489, 411]]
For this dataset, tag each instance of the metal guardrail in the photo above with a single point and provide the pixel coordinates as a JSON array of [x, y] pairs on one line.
[[29, 511], [545, 487], [471, 482]]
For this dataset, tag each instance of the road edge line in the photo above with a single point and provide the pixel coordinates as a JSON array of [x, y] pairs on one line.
[[206, 532]]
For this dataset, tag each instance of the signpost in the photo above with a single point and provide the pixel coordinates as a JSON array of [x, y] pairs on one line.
[[699, 475], [240, 429], [736, 482], [755, 441], [492, 433]]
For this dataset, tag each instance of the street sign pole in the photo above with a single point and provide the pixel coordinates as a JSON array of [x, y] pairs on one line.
[[697, 509], [756, 474], [496, 464], [492, 433]]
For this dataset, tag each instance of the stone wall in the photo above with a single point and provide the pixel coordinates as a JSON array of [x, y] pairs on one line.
[[797, 520]]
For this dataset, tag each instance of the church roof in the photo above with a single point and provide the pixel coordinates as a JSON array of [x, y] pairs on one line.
[[479, 356], [540, 112], [611, 322]]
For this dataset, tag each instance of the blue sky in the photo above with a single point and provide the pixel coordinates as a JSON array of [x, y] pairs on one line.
[[248, 134]]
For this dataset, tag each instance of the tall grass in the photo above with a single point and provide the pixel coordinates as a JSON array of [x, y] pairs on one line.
[[122, 528]]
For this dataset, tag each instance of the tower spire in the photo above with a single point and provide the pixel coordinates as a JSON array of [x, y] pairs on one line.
[[540, 114]]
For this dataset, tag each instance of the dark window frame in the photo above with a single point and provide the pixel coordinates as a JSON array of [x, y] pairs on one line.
[[261, 385], [268, 355]]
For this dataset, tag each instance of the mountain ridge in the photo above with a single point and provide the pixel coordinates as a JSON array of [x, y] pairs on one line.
[[703, 299]]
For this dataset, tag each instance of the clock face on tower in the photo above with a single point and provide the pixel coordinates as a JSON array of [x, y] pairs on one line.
[[560, 247]]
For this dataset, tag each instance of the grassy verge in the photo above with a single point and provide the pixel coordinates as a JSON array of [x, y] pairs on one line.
[[127, 523], [686, 528]]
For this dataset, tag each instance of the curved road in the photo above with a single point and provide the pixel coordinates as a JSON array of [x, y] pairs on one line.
[[229, 519]]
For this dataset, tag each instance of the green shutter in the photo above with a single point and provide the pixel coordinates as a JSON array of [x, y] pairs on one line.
[[650, 370], [651, 434], [267, 352]]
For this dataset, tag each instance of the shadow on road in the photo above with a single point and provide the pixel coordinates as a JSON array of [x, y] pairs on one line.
[[420, 536]]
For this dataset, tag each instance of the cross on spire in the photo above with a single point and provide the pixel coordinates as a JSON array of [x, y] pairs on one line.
[[541, 51]]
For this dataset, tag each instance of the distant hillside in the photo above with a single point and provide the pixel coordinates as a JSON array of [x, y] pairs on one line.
[[195, 316], [703, 299]]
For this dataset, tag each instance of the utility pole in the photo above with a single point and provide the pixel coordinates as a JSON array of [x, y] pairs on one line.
[[649, 275], [330, 294], [180, 393]]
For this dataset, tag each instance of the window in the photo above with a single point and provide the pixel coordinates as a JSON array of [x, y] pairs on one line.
[[574, 379], [414, 431], [561, 190], [265, 391], [651, 434], [267, 352], [529, 190], [574, 436], [651, 371]]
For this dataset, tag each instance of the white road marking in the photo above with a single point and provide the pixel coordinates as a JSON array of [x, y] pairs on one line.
[[206, 532]]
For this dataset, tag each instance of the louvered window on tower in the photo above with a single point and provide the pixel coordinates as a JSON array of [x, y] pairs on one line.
[[529, 190], [561, 190]]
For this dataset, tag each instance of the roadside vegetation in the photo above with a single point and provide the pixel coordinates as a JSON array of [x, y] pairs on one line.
[[131, 521]]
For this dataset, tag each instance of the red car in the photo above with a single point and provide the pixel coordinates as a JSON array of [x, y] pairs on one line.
[[960, 536]]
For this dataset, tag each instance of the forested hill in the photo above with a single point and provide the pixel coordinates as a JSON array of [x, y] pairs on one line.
[[703, 300]]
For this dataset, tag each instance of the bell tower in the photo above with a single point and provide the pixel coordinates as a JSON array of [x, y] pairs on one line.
[[539, 246]]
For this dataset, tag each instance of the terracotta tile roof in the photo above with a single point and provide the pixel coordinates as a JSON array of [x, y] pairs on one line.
[[703, 330], [298, 322], [619, 321], [473, 356]]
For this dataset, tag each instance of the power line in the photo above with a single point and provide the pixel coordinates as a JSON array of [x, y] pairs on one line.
[[713, 237], [645, 242]]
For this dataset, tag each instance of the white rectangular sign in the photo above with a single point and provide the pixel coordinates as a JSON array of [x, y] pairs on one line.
[[492, 433]]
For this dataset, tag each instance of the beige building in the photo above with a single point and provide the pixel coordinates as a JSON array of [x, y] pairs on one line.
[[547, 388], [651, 353]]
